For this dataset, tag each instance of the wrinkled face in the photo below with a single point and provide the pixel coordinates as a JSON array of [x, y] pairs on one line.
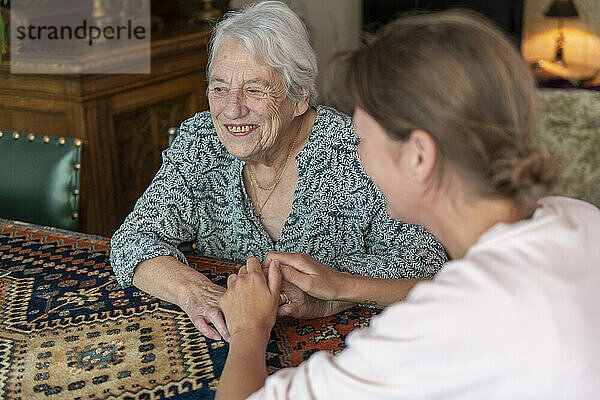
[[385, 161], [247, 103]]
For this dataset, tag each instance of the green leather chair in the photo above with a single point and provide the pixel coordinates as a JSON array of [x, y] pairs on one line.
[[40, 179]]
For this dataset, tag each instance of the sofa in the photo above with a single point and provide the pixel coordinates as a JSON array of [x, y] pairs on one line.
[[568, 122]]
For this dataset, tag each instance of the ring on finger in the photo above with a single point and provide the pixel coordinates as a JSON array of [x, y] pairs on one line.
[[283, 299]]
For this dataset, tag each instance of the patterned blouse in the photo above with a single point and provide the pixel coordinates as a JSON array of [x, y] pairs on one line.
[[338, 215]]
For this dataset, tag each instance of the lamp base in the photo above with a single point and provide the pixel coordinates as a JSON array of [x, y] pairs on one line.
[[560, 42], [578, 75]]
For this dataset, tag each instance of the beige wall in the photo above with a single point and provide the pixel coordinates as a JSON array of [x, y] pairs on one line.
[[334, 25], [582, 34]]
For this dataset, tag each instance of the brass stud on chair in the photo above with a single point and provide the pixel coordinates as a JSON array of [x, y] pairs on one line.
[[16, 135], [77, 166], [61, 140], [77, 142], [75, 215], [31, 137], [46, 139], [75, 192], [1, 134]]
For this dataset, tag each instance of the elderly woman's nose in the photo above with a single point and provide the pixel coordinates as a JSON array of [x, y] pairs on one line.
[[236, 104]]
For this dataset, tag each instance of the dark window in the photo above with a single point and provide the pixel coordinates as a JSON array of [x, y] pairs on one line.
[[508, 14]]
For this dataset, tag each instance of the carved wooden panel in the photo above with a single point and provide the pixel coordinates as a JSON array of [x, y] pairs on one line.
[[141, 135]]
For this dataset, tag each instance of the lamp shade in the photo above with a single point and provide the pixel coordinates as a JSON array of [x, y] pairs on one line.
[[562, 8]]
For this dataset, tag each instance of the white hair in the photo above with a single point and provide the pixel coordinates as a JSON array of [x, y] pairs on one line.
[[276, 36]]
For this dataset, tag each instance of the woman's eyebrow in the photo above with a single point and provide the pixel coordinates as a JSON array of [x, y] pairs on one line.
[[256, 81], [220, 80]]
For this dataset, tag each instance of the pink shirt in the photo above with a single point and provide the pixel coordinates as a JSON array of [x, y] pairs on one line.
[[517, 318]]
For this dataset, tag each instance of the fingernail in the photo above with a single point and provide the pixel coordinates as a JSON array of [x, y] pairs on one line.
[[277, 264]]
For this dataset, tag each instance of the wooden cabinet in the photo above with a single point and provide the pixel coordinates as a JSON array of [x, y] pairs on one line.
[[122, 119]]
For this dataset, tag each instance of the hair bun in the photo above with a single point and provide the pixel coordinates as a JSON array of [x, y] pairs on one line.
[[526, 177]]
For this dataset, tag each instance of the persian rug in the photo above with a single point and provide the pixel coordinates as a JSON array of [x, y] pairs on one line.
[[69, 331]]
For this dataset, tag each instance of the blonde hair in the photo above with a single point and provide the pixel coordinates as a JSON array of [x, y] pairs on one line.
[[455, 76]]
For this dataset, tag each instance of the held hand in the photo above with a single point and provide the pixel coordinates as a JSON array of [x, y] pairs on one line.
[[203, 308], [302, 305], [308, 274], [251, 303]]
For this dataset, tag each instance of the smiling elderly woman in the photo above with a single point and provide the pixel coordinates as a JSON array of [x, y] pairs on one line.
[[266, 170]]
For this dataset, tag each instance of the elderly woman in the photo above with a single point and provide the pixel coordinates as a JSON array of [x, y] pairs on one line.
[[265, 170], [515, 314]]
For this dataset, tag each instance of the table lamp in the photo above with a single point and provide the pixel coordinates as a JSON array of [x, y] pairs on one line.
[[561, 9]]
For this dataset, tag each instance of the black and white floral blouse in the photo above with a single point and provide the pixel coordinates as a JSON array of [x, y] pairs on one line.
[[338, 215]]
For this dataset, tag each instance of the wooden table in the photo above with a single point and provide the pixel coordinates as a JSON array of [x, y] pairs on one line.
[[68, 330], [122, 119]]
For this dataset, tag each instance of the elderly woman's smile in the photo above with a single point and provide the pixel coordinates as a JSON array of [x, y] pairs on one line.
[[240, 130]]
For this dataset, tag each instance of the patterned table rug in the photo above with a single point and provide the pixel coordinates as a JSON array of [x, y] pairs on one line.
[[69, 331]]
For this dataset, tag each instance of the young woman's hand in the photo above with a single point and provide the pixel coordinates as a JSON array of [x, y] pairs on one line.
[[308, 274], [250, 303]]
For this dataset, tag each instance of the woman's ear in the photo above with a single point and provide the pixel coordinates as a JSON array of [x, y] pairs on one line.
[[301, 106], [424, 156]]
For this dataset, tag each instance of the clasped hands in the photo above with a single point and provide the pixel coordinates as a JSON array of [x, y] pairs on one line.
[[252, 298]]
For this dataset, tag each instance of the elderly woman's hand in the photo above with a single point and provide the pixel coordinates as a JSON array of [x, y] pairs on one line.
[[171, 280], [250, 303], [303, 305], [203, 308]]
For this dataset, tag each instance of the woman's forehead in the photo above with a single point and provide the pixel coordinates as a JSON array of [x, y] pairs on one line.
[[234, 53], [234, 62]]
